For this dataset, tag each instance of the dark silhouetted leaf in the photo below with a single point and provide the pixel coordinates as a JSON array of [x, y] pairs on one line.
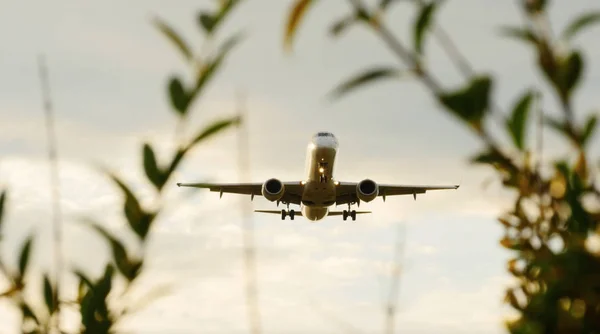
[[94, 310], [365, 77], [174, 38], [24, 256], [28, 313], [298, 11], [151, 167], [2, 201], [516, 123], [207, 21], [580, 23], [129, 269], [423, 23], [471, 102], [179, 97], [556, 125], [571, 71], [588, 130], [520, 33], [210, 22], [534, 6], [214, 128], [49, 295], [340, 25], [138, 219]]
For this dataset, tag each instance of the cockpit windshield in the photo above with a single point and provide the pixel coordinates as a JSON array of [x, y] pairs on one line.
[[324, 134]]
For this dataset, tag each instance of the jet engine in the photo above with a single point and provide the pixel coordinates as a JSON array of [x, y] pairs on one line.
[[367, 190], [273, 190]]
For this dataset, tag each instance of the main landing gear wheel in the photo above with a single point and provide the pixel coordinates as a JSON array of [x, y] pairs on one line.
[[347, 213], [290, 213]]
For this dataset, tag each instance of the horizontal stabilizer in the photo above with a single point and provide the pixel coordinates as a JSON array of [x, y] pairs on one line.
[[278, 212]]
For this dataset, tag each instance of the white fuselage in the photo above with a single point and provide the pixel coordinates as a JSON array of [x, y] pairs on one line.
[[319, 188]]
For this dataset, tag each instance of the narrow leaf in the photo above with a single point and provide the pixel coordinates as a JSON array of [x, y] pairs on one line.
[[363, 78], [214, 128], [470, 102], [516, 123], [580, 23], [129, 269], [178, 95], [2, 201], [49, 295], [422, 24], [588, 130], [151, 167], [520, 33], [138, 219], [340, 25], [174, 38], [210, 22], [298, 11], [385, 4], [24, 256]]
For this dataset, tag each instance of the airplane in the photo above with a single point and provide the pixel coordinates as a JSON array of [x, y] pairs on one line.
[[319, 191]]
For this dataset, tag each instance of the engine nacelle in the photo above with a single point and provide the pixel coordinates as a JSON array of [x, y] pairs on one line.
[[367, 190], [273, 190]]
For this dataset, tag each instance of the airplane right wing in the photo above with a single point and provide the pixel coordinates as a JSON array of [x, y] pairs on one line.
[[347, 191]]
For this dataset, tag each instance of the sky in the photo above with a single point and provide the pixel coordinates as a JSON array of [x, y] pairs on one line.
[[109, 69]]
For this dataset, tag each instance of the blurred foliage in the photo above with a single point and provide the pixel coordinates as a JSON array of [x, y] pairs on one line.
[[97, 302], [555, 214]]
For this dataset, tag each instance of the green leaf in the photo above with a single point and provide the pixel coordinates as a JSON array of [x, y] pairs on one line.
[[24, 257], [520, 33], [207, 21], [570, 71], [179, 97], [385, 4], [151, 167], [49, 295], [2, 201], [94, 310], [556, 125], [579, 23], [214, 128], [516, 123], [28, 312], [423, 23], [130, 269], [588, 130], [342, 24], [470, 102], [174, 38], [535, 6], [210, 22], [297, 13], [138, 219], [363, 78]]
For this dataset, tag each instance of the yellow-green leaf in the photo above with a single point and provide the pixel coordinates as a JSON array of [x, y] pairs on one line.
[[174, 38], [520, 33], [214, 128], [366, 77], [588, 130], [298, 11]]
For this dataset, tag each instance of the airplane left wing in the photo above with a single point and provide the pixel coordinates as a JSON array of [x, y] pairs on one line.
[[292, 193], [346, 191]]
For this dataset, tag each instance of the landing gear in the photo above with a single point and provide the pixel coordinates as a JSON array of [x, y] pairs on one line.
[[285, 213], [351, 213]]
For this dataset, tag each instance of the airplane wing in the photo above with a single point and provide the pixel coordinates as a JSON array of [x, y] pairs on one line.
[[346, 191], [292, 194]]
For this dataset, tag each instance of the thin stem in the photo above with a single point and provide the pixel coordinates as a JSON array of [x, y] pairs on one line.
[[54, 176], [248, 226], [395, 281]]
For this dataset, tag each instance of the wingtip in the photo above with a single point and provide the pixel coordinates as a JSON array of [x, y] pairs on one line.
[[179, 184], [457, 186]]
